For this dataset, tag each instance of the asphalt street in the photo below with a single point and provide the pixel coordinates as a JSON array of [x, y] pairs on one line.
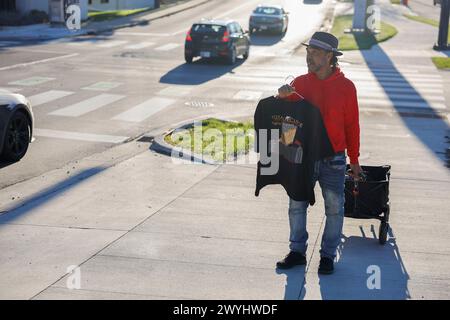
[[93, 92], [425, 8]]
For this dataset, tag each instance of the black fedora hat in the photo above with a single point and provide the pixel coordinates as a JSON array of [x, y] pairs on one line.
[[325, 41]]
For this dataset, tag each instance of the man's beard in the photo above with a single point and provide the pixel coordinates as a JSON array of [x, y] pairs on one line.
[[313, 67]]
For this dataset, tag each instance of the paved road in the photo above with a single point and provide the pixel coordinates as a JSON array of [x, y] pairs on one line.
[[425, 8], [91, 93]]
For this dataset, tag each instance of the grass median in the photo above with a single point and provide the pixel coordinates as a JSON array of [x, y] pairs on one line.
[[215, 139], [442, 63], [110, 15], [359, 41]]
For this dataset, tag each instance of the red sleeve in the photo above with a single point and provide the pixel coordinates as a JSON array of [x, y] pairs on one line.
[[351, 125]]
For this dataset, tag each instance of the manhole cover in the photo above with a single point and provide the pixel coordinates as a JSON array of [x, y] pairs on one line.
[[199, 104]]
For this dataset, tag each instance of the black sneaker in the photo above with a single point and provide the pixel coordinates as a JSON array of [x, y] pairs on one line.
[[326, 266], [291, 260]]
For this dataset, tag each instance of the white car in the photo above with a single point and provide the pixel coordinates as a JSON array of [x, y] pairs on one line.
[[16, 126], [269, 18]]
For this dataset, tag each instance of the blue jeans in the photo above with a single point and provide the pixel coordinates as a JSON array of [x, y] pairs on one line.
[[331, 176]]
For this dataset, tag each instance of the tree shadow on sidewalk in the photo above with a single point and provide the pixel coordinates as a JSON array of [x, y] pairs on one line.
[[361, 261], [46, 195], [431, 136]]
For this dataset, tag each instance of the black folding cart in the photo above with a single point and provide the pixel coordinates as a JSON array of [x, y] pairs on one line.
[[369, 198]]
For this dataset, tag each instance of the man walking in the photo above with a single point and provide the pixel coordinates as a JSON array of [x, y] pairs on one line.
[[326, 87]]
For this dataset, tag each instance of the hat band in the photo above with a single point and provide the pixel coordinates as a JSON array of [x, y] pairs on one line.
[[321, 44]]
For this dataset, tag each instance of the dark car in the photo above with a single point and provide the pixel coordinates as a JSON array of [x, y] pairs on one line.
[[16, 126], [269, 18], [216, 39]]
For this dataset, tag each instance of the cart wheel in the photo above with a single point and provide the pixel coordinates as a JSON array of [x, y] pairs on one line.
[[382, 235]]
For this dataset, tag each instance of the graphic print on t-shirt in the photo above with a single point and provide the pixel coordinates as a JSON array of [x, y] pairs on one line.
[[291, 147]]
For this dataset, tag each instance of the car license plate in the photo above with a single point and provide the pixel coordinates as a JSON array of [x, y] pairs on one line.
[[263, 27], [205, 54]]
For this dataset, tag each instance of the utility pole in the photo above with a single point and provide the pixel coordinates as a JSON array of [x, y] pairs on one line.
[[443, 27]]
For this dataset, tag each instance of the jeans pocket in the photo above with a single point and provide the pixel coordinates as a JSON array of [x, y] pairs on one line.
[[337, 163]]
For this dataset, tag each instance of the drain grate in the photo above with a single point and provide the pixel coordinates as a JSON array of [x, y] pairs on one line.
[[199, 104]]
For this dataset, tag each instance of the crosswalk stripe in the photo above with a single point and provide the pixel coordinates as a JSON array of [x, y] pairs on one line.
[[111, 44], [150, 34], [359, 77], [144, 110], [31, 81], [102, 86], [390, 74], [397, 79], [401, 104], [390, 84], [247, 95], [406, 97], [138, 46], [366, 83], [48, 96], [88, 105], [9, 90], [168, 47], [399, 90], [177, 91], [69, 135]]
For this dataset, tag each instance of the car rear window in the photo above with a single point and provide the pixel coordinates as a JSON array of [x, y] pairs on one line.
[[267, 10], [208, 28]]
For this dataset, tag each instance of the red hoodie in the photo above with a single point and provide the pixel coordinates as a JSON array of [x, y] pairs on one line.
[[336, 98]]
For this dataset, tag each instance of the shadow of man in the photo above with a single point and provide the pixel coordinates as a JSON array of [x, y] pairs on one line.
[[366, 271], [295, 283]]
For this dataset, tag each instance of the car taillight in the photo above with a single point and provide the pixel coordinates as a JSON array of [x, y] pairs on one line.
[[226, 37], [188, 36]]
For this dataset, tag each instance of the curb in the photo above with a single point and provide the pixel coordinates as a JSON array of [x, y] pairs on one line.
[[160, 146], [94, 31], [146, 20]]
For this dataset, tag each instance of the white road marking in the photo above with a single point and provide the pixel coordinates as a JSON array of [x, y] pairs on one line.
[[140, 45], [399, 90], [102, 86], [69, 135], [38, 61], [177, 91], [150, 34], [9, 90], [111, 44], [389, 84], [88, 105], [401, 104], [31, 81], [144, 110], [405, 97], [247, 95], [48, 96], [168, 47]]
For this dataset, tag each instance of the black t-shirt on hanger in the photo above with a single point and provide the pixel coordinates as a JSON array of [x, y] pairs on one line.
[[302, 139]]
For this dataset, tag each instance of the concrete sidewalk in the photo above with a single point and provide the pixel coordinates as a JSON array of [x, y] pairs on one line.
[[49, 32], [142, 227]]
